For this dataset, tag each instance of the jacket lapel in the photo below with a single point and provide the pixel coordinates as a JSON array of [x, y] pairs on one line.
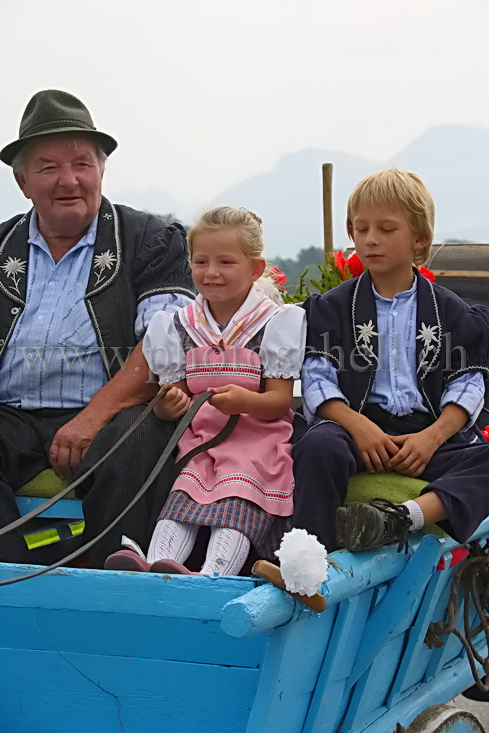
[[14, 258], [428, 328], [107, 251]]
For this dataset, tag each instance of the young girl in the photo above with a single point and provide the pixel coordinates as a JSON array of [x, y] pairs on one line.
[[237, 342]]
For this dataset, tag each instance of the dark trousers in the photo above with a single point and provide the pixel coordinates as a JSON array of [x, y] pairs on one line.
[[25, 439], [325, 458]]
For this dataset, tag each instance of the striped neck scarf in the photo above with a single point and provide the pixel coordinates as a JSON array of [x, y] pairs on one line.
[[256, 311]]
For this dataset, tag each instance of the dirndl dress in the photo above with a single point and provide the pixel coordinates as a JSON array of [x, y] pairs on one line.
[[246, 482]]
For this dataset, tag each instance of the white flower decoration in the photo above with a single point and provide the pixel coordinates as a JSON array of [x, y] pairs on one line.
[[13, 267], [427, 335], [103, 262], [303, 562], [366, 331]]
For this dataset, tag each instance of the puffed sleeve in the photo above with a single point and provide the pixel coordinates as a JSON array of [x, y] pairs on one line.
[[163, 350], [283, 344]]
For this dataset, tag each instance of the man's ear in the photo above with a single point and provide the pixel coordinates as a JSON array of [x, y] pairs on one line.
[[258, 268], [21, 182]]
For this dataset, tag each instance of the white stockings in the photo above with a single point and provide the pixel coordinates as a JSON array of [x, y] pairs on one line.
[[226, 553]]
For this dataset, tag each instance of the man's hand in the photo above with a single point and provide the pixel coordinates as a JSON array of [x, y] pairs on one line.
[[231, 399], [415, 452], [72, 441], [174, 403], [376, 447]]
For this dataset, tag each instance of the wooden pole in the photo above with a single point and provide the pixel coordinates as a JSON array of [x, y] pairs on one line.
[[328, 207]]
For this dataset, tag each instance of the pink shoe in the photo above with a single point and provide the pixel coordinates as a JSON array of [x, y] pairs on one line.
[[170, 566], [126, 560]]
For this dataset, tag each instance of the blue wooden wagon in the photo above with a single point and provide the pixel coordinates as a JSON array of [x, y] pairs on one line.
[[92, 650]]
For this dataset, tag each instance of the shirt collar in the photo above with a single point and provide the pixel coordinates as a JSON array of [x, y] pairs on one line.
[[401, 296], [35, 236]]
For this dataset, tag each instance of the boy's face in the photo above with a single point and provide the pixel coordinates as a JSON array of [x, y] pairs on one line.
[[384, 241]]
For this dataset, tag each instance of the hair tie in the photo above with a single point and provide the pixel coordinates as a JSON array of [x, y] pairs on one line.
[[254, 216]]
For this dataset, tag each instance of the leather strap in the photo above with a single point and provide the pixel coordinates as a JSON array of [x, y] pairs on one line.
[[170, 447]]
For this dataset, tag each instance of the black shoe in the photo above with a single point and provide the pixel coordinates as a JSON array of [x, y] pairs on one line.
[[362, 527]]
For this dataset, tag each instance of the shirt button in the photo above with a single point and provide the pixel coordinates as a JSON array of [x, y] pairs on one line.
[[394, 313], [39, 318], [31, 354], [398, 392], [14, 311], [51, 283], [394, 352]]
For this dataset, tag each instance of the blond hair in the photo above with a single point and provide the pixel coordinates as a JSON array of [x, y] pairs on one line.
[[248, 227], [246, 223], [404, 193]]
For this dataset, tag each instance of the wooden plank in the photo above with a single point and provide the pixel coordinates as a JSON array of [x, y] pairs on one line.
[[63, 509], [462, 274], [411, 669], [126, 635], [199, 597], [405, 590], [45, 692], [328, 703], [290, 668]]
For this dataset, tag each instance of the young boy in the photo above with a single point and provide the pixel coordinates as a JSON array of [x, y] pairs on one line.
[[393, 381]]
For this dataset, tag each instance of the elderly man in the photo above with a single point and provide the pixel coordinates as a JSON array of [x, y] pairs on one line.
[[79, 280]]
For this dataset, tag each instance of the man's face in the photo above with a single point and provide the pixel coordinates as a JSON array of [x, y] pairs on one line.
[[63, 179]]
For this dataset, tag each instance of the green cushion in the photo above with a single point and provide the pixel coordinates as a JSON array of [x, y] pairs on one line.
[[365, 486], [45, 485]]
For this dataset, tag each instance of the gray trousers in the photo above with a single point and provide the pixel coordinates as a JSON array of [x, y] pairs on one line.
[[25, 439]]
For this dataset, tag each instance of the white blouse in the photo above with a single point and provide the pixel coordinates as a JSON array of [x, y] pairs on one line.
[[281, 351]]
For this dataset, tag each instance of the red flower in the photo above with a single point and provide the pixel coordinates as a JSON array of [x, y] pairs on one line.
[[340, 262], [426, 273], [355, 265], [279, 277], [485, 433]]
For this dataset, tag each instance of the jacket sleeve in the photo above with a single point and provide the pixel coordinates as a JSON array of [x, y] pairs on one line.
[[161, 262]]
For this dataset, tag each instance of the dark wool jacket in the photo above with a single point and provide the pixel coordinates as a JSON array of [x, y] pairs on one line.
[[452, 337], [135, 255]]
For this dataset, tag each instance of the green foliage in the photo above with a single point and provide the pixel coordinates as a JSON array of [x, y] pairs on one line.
[[330, 277]]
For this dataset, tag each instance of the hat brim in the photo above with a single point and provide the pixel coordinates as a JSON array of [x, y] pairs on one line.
[[106, 142]]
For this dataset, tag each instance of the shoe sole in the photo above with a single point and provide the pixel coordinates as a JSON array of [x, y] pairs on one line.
[[359, 527], [118, 561]]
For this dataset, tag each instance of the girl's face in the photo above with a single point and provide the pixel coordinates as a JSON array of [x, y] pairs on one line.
[[221, 271]]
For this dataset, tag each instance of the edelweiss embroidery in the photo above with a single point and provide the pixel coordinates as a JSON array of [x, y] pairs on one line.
[[13, 268], [365, 332], [102, 262], [107, 216], [428, 336]]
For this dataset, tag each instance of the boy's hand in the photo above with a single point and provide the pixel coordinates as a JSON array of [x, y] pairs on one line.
[[231, 399], [376, 447], [415, 452], [173, 404]]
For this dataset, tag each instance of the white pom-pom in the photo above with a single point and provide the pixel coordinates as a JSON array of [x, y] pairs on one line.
[[303, 562]]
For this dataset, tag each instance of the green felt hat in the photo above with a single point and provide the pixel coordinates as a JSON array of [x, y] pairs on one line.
[[53, 112]]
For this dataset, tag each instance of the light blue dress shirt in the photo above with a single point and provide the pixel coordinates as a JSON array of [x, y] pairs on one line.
[[53, 358], [395, 385]]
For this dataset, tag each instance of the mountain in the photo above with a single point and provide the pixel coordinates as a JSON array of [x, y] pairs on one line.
[[453, 159]]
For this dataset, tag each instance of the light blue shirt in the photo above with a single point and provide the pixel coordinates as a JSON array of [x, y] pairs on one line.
[[395, 384], [53, 358]]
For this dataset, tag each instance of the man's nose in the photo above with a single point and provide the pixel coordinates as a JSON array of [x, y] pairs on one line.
[[67, 176]]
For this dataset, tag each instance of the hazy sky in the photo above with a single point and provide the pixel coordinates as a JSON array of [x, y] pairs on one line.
[[203, 93]]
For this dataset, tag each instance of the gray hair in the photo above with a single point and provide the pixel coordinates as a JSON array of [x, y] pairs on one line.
[[71, 138]]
